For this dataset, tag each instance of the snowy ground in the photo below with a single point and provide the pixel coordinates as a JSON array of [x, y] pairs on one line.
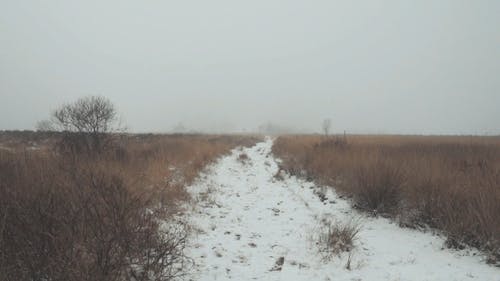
[[247, 223]]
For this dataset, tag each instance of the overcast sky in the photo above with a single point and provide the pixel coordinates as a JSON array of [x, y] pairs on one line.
[[417, 67]]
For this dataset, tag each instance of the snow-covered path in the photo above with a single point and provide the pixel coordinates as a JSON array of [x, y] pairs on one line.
[[251, 226]]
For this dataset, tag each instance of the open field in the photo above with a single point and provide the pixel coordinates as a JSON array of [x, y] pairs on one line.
[[251, 178], [73, 216], [213, 207], [448, 183]]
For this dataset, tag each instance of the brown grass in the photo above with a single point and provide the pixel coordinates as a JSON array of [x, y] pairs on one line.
[[335, 237], [67, 216], [243, 158], [449, 183]]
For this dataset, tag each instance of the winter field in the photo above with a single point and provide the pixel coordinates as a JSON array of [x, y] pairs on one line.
[[199, 207], [249, 140], [67, 213], [255, 222]]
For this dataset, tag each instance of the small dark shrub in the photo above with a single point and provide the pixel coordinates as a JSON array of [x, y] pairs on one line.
[[243, 158]]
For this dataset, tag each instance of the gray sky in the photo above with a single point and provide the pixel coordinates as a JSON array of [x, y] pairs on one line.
[[370, 66]]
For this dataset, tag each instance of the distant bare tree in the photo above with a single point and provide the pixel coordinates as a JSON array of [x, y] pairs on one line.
[[327, 124], [179, 128], [45, 126], [87, 122]]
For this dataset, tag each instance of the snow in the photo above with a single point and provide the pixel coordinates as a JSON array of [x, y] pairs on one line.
[[249, 225]]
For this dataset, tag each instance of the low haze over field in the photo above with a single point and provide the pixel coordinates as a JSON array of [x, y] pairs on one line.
[[226, 66]]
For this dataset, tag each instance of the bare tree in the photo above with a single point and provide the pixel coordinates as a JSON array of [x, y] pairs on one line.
[[327, 124], [87, 122], [45, 126]]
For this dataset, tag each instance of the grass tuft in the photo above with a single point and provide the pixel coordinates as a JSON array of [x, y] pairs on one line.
[[335, 237]]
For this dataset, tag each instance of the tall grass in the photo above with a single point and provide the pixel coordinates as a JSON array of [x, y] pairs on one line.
[[71, 216], [448, 183]]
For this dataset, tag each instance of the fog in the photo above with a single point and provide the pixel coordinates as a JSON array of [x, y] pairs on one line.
[[419, 67]]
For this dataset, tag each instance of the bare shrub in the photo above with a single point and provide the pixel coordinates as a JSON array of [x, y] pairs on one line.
[[101, 217], [87, 124], [326, 125], [243, 158], [45, 126], [88, 225], [279, 174], [335, 237]]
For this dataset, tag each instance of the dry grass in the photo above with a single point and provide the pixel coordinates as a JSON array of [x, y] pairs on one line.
[[243, 158], [175, 160], [448, 183], [67, 216], [335, 237]]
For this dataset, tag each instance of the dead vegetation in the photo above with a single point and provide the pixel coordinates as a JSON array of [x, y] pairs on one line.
[[335, 237], [66, 215], [243, 158], [448, 183]]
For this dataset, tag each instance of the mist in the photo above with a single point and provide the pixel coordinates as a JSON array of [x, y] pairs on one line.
[[421, 67]]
